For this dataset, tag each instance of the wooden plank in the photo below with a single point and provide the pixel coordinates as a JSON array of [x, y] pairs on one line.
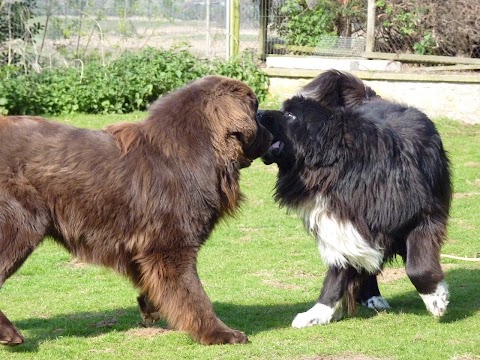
[[314, 50], [433, 59], [296, 48], [377, 75], [451, 68]]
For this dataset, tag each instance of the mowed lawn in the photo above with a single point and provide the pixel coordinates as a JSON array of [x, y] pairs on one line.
[[259, 269]]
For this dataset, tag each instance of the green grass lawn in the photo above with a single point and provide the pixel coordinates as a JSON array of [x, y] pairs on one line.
[[259, 269]]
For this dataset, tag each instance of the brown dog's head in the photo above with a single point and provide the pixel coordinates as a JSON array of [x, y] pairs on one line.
[[231, 106], [211, 121], [212, 111]]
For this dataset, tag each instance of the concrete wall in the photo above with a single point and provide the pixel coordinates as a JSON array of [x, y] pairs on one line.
[[455, 97]]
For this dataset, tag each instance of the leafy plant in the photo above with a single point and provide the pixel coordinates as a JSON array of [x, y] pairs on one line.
[[244, 68], [304, 26], [403, 27], [128, 84], [14, 24], [426, 45]]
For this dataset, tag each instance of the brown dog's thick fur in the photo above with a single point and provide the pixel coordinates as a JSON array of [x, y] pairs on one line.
[[140, 198]]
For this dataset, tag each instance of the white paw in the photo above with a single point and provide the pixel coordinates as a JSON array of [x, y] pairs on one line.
[[376, 303], [319, 314], [437, 301]]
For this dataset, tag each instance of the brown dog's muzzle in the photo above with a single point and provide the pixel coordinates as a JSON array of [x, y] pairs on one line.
[[260, 143]]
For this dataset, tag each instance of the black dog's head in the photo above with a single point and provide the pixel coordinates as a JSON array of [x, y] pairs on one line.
[[308, 129], [303, 134], [281, 148]]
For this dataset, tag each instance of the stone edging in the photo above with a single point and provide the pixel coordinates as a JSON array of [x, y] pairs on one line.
[[377, 75]]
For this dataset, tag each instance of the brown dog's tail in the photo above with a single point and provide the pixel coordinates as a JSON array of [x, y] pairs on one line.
[[335, 88], [353, 288]]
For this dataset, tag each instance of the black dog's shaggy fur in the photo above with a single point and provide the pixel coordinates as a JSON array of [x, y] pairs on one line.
[[371, 180]]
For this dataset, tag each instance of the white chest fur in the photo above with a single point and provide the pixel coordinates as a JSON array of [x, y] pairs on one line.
[[339, 243]]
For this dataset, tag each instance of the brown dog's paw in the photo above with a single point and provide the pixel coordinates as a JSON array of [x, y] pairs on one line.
[[224, 336], [10, 336], [148, 312]]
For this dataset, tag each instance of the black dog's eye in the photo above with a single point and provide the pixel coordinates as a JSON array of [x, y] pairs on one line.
[[290, 116]]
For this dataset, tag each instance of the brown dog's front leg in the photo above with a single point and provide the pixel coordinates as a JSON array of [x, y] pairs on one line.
[[9, 335], [170, 282]]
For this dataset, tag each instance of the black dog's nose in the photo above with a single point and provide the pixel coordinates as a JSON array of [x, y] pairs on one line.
[[260, 114]]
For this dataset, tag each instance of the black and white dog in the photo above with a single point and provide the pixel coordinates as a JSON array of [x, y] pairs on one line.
[[371, 180]]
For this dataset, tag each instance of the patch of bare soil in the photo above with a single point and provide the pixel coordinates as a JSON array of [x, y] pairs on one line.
[[466, 357], [474, 164], [77, 264], [389, 275], [342, 357], [147, 332], [106, 323], [102, 351], [468, 194], [269, 279], [279, 285]]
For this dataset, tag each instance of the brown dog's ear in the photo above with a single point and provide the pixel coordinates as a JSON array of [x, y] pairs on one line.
[[127, 136]]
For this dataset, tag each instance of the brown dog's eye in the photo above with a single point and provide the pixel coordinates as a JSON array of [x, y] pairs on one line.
[[239, 136]]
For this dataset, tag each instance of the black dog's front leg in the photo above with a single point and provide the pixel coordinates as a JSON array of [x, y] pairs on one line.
[[329, 306], [369, 294]]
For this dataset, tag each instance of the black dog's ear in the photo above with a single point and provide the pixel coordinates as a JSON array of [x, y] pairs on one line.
[[335, 88]]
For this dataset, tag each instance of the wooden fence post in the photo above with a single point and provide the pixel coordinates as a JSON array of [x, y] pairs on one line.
[[370, 42], [234, 27], [262, 39]]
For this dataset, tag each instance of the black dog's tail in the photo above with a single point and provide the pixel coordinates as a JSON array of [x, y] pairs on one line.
[[335, 88]]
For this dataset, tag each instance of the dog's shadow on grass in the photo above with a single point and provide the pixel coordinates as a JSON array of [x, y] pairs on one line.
[[252, 319]]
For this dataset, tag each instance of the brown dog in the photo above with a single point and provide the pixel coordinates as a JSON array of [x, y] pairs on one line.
[[140, 198]]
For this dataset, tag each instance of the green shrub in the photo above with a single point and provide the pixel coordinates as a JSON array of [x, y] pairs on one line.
[[15, 23], [406, 27], [244, 68], [304, 26], [128, 84]]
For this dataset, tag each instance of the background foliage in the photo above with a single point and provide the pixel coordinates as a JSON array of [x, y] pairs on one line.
[[304, 26], [15, 23], [448, 27], [129, 83]]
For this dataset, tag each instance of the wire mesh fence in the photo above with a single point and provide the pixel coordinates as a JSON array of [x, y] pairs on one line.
[[71, 30], [338, 27], [48, 33], [113, 25], [446, 27]]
